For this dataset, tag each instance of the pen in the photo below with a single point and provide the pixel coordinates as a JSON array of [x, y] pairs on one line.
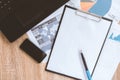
[[86, 68]]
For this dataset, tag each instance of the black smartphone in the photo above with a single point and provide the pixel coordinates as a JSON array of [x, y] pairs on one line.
[[33, 51]]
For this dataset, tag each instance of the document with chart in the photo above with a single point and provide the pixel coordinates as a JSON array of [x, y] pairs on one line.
[[43, 34]]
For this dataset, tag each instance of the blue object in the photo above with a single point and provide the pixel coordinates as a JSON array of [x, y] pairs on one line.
[[101, 7], [116, 38], [86, 68], [88, 75]]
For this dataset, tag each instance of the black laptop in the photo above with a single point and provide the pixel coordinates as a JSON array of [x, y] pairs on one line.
[[18, 16]]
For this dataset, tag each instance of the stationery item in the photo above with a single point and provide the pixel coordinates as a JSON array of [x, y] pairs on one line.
[[17, 17], [86, 68], [77, 29], [33, 51], [101, 7]]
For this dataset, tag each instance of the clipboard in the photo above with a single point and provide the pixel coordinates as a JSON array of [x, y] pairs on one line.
[[77, 31]]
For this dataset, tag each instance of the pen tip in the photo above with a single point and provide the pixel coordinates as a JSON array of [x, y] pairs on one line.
[[80, 51]]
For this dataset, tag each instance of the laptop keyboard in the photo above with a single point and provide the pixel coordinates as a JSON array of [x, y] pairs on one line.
[[5, 7], [18, 16]]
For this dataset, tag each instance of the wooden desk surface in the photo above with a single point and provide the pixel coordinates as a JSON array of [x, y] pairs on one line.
[[16, 65]]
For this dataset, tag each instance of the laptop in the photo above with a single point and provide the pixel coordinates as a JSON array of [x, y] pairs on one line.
[[18, 16]]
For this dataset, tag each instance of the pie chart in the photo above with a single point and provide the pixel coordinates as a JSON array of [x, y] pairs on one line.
[[101, 7]]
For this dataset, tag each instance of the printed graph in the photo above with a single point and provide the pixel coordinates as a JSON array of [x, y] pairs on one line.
[[101, 7], [115, 37]]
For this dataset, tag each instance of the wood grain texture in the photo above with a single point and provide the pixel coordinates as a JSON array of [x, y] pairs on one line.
[[17, 65]]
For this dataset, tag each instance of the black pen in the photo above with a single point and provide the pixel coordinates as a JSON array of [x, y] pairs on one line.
[[86, 68]]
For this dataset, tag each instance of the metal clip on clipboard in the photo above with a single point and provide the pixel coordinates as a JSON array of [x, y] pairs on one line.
[[88, 15]]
